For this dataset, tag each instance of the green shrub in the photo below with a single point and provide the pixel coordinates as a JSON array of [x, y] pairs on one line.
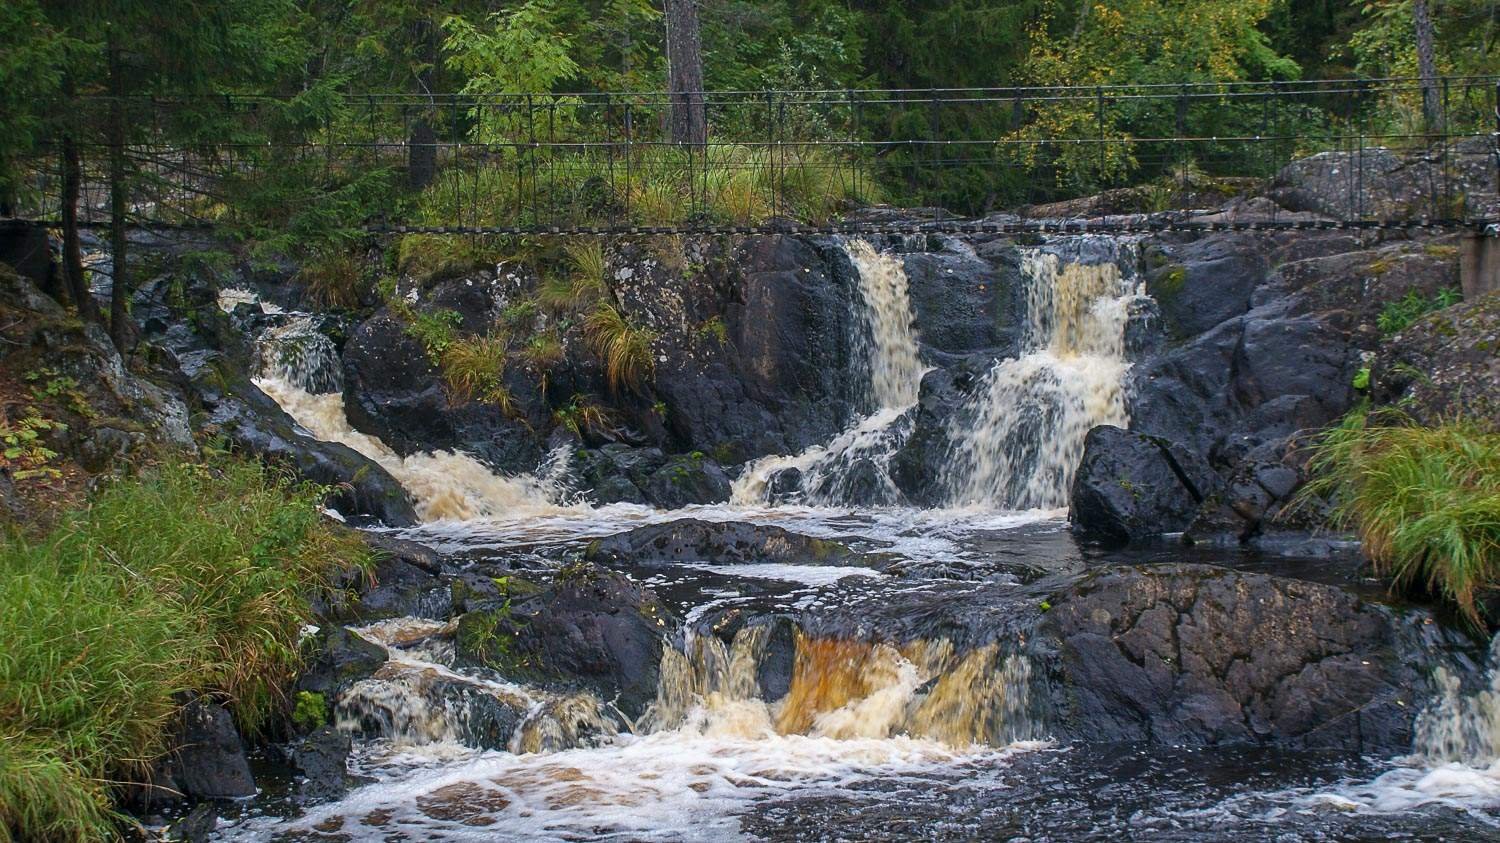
[[583, 414], [436, 331], [1398, 315], [1424, 500], [184, 578], [624, 348]]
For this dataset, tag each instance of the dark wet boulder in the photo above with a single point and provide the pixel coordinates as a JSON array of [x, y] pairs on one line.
[[721, 543], [197, 826], [205, 760], [394, 390], [1258, 494], [1202, 282], [771, 379], [964, 301], [687, 479], [1130, 486], [784, 486], [402, 581], [1445, 364], [917, 466], [334, 659], [321, 760], [614, 473], [589, 628], [1197, 655]]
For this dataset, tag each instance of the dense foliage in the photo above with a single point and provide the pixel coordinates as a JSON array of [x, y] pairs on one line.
[[1425, 501], [304, 51], [186, 578]]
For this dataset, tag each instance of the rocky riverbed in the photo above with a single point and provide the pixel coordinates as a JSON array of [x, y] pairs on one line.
[[920, 535]]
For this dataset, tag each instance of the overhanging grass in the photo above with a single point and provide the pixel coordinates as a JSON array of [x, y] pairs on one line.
[[1424, 500], [184, 578]]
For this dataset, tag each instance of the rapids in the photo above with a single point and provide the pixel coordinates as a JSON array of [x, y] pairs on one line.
[[868, 739]]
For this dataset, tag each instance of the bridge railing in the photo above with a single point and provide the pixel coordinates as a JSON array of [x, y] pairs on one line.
[[606, 161]]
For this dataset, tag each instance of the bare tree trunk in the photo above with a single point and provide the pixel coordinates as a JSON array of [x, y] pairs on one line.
[[685, 72], [1432, 107], [72, 182], [421, 146], [119, 295]]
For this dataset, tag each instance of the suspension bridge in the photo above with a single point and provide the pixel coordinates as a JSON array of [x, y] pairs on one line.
[[1348, 154]]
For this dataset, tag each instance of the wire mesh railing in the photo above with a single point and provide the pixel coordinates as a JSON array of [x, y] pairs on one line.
[[1366, 155]]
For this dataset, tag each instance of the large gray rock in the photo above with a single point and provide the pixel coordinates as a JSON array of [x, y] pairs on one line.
[[589, 628], [1196, 655], [1130, 485], [394, 391], [1446, 364]]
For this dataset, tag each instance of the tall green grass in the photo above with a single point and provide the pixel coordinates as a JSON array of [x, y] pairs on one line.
[[186, 577], [1425, 501], [658, 185]]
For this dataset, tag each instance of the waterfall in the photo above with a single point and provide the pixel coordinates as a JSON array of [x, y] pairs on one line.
[[886, 341], [1459, 727], [1019, 439], [299, 368], [853, 467], [848, 689]]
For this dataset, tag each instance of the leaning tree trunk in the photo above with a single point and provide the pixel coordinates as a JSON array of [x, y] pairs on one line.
[[685, 72], [72, 184], [421, 144], [1432, 107], [119, 327]]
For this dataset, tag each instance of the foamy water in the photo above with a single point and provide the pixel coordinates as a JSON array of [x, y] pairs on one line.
[[1021, 437]]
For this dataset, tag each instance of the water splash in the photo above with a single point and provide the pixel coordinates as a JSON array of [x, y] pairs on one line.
[[853, 467], [1020, 438], [299, 354]]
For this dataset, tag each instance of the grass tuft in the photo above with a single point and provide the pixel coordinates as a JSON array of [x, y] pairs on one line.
[[334, 280], [1424, 500], [624, 348], [474, 369], [1398, 315], [186, 577]]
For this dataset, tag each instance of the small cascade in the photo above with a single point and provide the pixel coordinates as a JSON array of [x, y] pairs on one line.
[[847, 689], [1020, 438], [299, 368], [853, 467], [1460, 727], [416, 699], [445, 485], [297, 353]]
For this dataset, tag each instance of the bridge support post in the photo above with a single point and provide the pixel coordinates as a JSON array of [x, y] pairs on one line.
[[1479, 263]]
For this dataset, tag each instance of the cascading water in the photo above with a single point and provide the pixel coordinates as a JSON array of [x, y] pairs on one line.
[[887, 339], [847, 689], [853, 466], [1019, 440], [299, 368], [417, 701]]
